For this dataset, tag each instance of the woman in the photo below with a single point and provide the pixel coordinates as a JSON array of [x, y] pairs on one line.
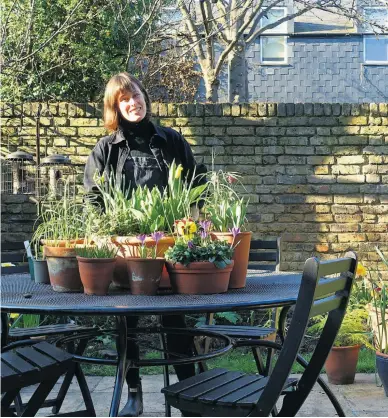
[[141, 152]]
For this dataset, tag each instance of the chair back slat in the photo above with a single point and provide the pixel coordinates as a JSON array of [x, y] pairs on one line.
[[329, 286], [266, 251], [326, 305], [326, 268], [308, 305]]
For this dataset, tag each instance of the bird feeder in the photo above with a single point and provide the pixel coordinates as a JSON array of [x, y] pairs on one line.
[[55, 174], [18, 173]]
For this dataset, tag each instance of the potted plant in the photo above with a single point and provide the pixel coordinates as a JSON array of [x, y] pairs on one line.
[[145, 271], [60, 225], [96, 265], [227, 211], [41, 273], [379, 317], [197, 264], [354, 333], [126, 215]]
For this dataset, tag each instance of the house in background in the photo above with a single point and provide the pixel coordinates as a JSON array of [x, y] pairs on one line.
[[317, 57], [324, 58]]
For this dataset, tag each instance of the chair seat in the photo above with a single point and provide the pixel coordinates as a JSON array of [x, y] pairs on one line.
[[46, 330], [235, 331], [27, 366], [219, 392]]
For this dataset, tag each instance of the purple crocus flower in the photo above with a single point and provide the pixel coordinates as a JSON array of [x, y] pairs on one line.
[[157, 236], [203, 234], [234, 231], [142, 238], [191, 245], [205, 225]]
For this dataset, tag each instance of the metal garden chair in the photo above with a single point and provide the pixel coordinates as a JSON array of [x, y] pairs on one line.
[[219, 392]]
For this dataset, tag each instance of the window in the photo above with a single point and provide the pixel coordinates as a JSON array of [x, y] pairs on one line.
[[376, 49], [375, 46], [273, 49]]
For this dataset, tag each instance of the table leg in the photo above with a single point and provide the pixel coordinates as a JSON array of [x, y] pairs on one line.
[[121, 366]]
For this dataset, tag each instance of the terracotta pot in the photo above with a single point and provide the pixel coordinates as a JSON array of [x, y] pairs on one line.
[[129, 247], [341, 364], [144, 275], [199, 278], [238, 277], [41, 272], [96, 274], [62, 242], [63, 269], [382, 369]]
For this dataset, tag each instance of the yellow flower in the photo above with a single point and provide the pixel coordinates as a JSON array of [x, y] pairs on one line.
[[186, 228], [178, 171], [14, 315], [361, 270]]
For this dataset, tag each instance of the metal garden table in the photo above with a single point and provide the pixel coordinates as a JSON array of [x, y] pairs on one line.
[[263, 290]]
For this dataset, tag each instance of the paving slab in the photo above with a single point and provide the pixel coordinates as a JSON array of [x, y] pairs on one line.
[[363, 398]]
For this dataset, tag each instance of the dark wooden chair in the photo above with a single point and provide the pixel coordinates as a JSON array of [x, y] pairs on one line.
[[15, 253], [219, 392], [263, 255], [29, 363]]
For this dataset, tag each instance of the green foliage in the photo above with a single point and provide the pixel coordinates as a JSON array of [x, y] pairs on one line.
[[25, 321], [354, 329], [67, 49], [223, 205], [63, 219], [99, 251]]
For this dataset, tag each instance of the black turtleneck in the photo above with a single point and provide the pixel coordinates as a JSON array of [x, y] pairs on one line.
[[138, 136]]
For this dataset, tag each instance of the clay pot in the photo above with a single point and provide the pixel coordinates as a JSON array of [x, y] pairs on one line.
[[96, 274], [62, 242], [199, 278], [41, 272], [382, 369], [341, 364], [63, 269], [144, 275], [129, 247], [238, 277]]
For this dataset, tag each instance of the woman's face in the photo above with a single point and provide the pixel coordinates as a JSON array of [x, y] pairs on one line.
[[132, 105]]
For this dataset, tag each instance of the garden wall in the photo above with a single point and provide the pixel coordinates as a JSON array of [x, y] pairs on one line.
[[316, 174]]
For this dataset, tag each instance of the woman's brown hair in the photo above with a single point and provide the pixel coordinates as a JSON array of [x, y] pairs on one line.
[[118, 84]]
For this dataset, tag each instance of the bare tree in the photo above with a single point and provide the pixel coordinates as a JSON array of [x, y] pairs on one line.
[[219, 32]]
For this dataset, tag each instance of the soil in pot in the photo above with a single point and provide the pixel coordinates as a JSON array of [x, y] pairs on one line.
[[41, 272], [199, 278], [129, 247], [144, 275], [341, 364], [96, 274], [238, 275], [382, 369], [63, 269]]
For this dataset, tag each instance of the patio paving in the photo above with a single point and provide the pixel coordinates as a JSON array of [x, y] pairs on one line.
[[363, 398]]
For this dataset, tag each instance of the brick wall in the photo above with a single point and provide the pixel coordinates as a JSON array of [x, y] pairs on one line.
[[316, 174]]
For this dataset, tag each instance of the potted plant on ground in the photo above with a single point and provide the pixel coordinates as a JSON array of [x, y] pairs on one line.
[[197, 264], [227, 211], [379, 317], [342, 360], [145, 271], [96, 265]]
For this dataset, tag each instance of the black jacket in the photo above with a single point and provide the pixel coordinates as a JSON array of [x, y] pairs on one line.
[[111, 152]]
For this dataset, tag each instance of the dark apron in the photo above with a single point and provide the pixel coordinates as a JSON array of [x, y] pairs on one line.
[[150, 171]]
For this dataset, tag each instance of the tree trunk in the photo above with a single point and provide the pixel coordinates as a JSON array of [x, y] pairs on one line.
[[237, 74], [211, 85]]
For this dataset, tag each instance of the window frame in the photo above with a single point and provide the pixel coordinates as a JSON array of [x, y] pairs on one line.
[[285, 60], [274, 32], [372, 33]]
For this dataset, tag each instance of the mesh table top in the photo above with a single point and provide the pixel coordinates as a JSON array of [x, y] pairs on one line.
[[263, 290]]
